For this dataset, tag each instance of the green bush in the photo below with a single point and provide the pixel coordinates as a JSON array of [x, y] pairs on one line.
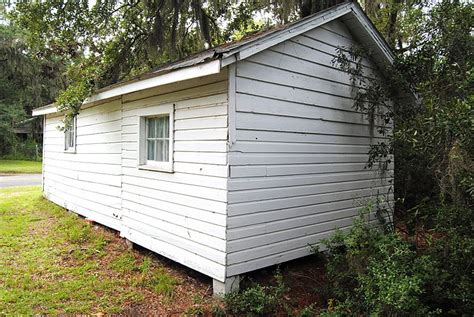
[[257, 300], [374, 272]]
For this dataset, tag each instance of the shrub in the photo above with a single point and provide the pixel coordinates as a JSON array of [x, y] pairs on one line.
[[375, 272], [257, 300]]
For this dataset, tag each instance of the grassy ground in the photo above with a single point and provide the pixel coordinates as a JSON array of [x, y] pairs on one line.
[[15, 167], [53, 262]]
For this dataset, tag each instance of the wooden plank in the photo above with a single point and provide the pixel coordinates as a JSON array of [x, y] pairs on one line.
[[201, 123], [248, 224], [190, 201], [201, 146], [289, 78], [180, 226], [204, 158], [84, 211], [201, 169], [178, 254], [298, 180], [261, 105], [290, 93], [182, 243], [201, 111], [177, 178], [284, 240], [243, 208], [287, 147], [280, 192], [293, 169], [176, 188], [236, 159], [201, 134], [208, 220], [289, 124], [289, 136]]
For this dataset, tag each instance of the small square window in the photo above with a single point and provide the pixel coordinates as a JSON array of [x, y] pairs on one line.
[[70, 136], [156, 138]]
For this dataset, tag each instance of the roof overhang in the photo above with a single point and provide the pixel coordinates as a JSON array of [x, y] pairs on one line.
[[200, 70], [349, 11]]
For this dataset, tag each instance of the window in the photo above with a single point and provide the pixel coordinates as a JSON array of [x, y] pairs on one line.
[[70, 136], [156, 138]]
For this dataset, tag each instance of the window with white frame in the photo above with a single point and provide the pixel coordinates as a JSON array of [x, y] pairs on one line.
[[156, 138], [70, 136]]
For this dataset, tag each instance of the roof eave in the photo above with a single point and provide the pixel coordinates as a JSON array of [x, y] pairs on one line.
[[200, 70], [273, 39]]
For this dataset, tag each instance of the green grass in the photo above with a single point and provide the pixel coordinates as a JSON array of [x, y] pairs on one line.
[[16, 167], [53, 262]]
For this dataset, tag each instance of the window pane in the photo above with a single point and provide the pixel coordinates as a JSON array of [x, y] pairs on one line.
[[151, 127], [71, 137], [163, 127], [66, 140], [151, 150], [162, 150]]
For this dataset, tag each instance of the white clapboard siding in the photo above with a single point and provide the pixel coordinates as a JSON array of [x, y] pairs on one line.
[[247, 223], [181, 215], [88, 181], [297, 165]]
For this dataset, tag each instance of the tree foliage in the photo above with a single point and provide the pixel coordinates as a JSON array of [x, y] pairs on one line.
[[26, 82]]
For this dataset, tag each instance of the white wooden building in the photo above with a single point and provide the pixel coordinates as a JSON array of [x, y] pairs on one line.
[[235, 159]]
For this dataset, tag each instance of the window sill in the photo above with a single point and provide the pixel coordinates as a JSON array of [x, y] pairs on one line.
[[164, 169], [70, 151]]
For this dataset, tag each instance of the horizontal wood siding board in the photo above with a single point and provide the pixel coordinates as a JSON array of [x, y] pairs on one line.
[[291, 124], [177, 253], [290, 169], [213, 220], [77, 203], [260, 105], [270, 243], [67, 203], [179, 177], [151, 218], [283, 147], [253, 207], [299, 180], [302, 137], [213, 194], [248, 223], [304, 190], [293, 158], [173, 239]]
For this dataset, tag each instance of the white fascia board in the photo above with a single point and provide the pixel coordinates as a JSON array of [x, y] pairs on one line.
[[205, 69], [365, 23], [45, 110], [279, 37], [200, 70]]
